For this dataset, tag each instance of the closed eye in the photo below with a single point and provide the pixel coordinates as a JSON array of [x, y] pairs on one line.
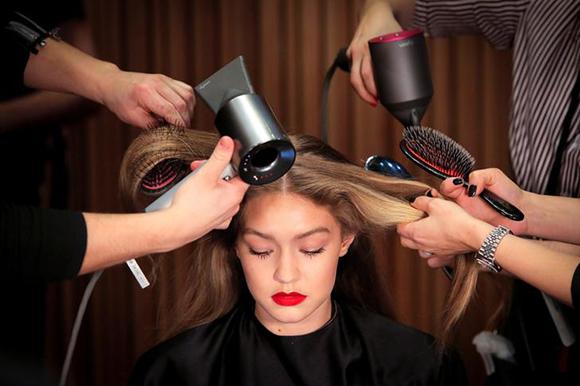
[[313, 253], [260, 254]]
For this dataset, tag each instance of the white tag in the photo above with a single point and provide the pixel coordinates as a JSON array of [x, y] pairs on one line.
[[138, 273]]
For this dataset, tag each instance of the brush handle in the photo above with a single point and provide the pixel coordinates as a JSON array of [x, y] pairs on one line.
[[502, 206]]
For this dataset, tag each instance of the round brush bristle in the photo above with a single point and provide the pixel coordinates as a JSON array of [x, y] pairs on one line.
[[437, 151], [162, 176]]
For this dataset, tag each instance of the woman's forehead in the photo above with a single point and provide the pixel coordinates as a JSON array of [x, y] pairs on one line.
[[288, 211]]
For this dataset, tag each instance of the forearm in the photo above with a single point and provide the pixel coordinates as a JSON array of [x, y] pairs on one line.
[[42, 107], [548, 270], [116, 238], [570, 249], [393, 12], [553, 217], [60, 67], [403, 11]]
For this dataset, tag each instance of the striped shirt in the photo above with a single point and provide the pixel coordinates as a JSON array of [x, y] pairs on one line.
[[545, 38]]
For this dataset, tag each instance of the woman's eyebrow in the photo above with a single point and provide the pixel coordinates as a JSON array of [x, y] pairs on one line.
[[309, 233], [256, 233], [300, 236]]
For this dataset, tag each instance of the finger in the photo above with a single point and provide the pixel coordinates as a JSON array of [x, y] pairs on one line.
[[422, 203], [357, 82], [141, 118], [176, 100], [425, 254], [484, 178], [408, 243], [196, 164], [240, 185], [220, 158], [186, 93], [403, 229], [156, 104], [437, 262], [368, 77], [453, 188], [433, 193], [225, 224]]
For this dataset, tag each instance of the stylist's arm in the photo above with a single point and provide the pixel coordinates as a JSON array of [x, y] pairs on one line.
[[449, 230], [136, 98], [203, 203]]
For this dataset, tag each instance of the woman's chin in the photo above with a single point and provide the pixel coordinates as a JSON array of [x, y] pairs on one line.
[[289, 320]]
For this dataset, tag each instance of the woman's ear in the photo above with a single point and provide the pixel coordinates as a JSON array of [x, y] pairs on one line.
[[346, 243]]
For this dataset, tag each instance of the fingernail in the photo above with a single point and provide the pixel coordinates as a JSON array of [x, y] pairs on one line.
[[223, 144], [429, 194], [471, 190], [458, 181], [374, 104]]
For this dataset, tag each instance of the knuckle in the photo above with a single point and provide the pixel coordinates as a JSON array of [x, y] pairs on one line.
[[160, 78], [142, 89], [355, 80], [181, 105], [403, 242], [367, 73]]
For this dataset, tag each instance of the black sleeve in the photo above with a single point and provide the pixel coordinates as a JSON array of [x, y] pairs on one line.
[[41, 244], [576, 288], [14, 55]]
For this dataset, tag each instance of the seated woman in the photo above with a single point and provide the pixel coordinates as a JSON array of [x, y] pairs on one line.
[[292, 293]]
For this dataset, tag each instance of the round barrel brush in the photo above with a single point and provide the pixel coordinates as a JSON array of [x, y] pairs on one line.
[[443, 157]]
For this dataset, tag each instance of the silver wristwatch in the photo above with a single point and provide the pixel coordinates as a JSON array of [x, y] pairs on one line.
[[486, 254]]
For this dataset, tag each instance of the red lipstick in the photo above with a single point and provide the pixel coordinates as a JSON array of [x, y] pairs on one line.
[[291, 299]]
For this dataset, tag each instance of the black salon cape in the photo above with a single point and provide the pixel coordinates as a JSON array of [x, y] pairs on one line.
[[355, 348]]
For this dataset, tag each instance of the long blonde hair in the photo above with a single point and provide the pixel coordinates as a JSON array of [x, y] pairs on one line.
[[363, 202]]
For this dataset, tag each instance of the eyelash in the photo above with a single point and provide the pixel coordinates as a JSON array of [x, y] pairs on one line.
[[264, 255]]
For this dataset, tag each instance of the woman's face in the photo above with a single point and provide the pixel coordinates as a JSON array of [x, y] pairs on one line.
[[289, 249]]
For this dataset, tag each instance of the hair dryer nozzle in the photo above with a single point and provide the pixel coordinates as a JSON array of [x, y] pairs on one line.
[[401, 70], [263, 152]]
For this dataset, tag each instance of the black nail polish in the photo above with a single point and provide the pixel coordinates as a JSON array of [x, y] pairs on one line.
[[471, 191], [458, 181], [429, 194]]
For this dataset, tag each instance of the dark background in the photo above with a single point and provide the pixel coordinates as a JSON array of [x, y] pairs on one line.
[[287, 45]]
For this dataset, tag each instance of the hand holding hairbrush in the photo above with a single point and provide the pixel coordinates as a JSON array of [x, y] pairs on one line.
[[443, 157]]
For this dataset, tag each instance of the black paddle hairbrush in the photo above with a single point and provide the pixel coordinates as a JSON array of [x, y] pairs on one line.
[[443, 157]]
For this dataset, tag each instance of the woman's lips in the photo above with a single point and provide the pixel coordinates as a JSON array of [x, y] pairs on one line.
[[291, 299]]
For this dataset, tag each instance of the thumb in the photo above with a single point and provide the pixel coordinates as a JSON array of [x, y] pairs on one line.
[[220, 158], [452, 188]]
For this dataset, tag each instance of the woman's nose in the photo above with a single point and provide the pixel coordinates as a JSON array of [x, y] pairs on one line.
[[287, 270]]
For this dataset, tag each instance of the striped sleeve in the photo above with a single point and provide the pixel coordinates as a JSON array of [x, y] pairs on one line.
[[497, 20]]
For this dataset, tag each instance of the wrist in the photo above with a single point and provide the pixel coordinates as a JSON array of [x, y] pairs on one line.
[[529, 205], [104, 77], [476, 234], [377, 13]]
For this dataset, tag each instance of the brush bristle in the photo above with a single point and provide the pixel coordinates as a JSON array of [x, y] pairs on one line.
[[161, 176], [439, 151]]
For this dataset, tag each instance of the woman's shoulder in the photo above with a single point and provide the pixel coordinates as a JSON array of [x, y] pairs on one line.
[[173, 359], [376, 325], [403, 349]]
